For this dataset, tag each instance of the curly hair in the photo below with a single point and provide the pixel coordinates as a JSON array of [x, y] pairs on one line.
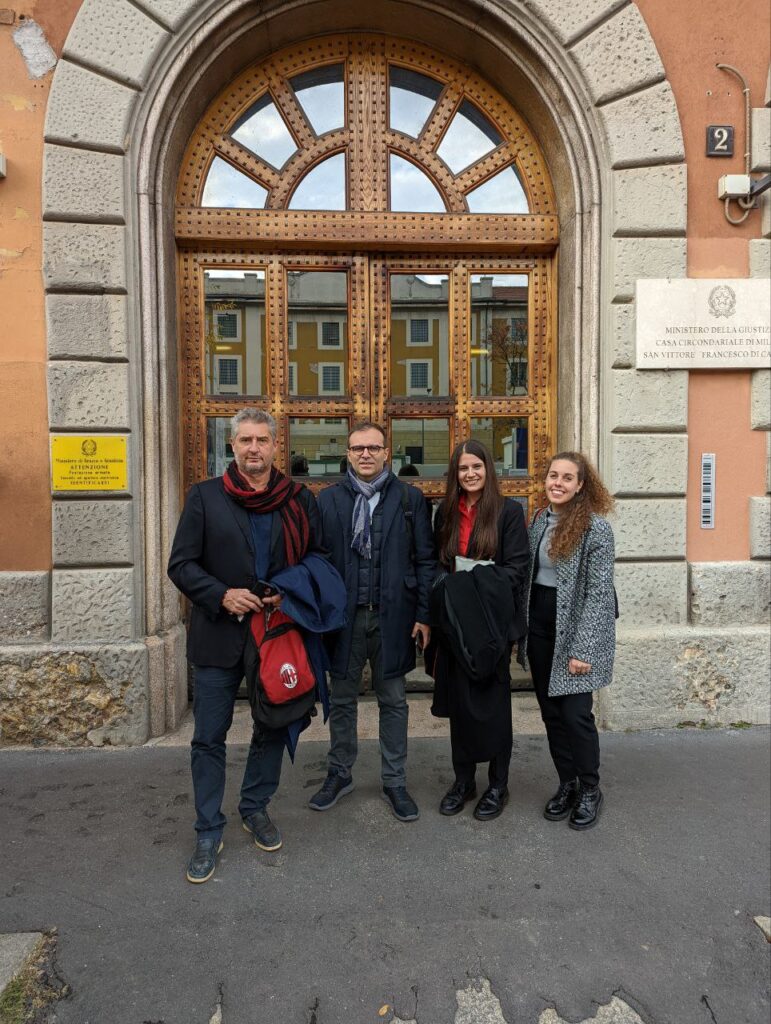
[[575, 518]]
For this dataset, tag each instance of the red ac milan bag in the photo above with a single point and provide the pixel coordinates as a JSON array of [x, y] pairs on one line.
[[279, 676]]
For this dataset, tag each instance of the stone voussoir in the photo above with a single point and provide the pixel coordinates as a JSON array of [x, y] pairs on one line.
[[650, 200], [760, 527], [89, 605], [116, 37], [569, 20], [86, 326], [651, 593], [80, 184], [650, 528], [88, 395], [730, 593], [619, 56], [643, 128], [171, 12], [89, 695], [84, 257], [649, 400], [634, 258], [24, 607], [93, 533], [87, 109], [649, 464]]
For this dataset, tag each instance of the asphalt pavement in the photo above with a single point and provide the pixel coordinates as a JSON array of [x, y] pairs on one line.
[[360, 918]]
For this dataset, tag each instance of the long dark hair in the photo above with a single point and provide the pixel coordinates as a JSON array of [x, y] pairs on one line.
[[576, 517], [484, 537]]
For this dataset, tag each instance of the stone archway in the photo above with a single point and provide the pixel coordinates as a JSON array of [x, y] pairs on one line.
[[132, 80]]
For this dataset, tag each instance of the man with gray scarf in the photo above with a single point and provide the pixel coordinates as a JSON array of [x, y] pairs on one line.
[[378, 533]]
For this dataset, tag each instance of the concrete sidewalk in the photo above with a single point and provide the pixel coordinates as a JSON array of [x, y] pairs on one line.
[[359, 918]]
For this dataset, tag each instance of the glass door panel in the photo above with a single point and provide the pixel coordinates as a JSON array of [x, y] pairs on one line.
[[317, 332], [499, 334], [422, 443], [419, 349], [317, 446], [234, 326]]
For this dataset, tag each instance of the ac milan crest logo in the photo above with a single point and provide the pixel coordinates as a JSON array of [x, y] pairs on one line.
[[288, 675]]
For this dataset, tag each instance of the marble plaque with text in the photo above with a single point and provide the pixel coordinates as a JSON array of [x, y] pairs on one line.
[[703, 324]]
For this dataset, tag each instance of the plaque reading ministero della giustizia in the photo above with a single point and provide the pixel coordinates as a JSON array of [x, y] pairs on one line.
[[700, 324], [93, 462]]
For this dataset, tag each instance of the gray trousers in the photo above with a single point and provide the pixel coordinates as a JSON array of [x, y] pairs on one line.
[[391, 699]]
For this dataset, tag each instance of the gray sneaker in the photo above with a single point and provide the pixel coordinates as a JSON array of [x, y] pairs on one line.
[[334, 787], [402, 804]]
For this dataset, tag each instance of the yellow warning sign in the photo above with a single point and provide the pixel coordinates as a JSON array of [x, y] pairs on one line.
[[94, 462]]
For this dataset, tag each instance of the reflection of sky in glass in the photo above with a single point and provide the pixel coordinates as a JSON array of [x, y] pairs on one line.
[[262, 130], [469, 137], [411, 99], [503, 280], [412, 191], [503, 193], [225, 186], [323, 187], [321, 94]]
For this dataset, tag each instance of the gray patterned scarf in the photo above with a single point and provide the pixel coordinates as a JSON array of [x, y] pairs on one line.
[[360, 531]]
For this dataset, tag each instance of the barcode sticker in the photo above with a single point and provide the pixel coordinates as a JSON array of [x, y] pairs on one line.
[[708, 491]]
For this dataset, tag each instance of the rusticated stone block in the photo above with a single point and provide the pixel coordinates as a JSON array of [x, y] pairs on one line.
[[567, 19], [86, 109], [650, 200], [760, 527], [89, 696], [664, 677], [730, 593], [652, 592], [644, 128], [760, 407], [116, 37], [650, 528], [88, 395], [649, 464], [760, 159], [765, 215], [93, 533], [84, 257], [760, 257], [619, 56], [649, 400], [171, 12], [92, 604], [82, 185], [24, 607], [167, 679], [86, 326], [634, 258], [623, 335]]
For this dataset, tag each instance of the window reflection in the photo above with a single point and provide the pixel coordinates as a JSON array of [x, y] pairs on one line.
[[234, 325], [411, 98], [503, 193], [507, 439], [321, 93], [419, 342], [317, 446], [227, 187], [499, 334], [412, 191], [317, 335], [219, 453], [423, 443], [469, 137], [263, 131], [323, 187]]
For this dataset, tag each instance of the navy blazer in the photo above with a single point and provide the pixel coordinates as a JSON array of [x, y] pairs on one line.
[[213, 552]]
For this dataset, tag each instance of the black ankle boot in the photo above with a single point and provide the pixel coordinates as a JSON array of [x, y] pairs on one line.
[[563, 801], [587, 808]]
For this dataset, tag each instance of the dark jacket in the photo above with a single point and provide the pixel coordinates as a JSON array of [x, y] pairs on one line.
[[407, 570], [213, 552]]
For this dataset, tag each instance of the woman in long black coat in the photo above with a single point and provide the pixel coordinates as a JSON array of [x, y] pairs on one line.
[[477, 618]]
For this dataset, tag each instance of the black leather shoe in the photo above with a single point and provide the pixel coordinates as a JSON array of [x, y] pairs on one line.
[[263, 831], [491, 803], [402, 804], [563, 801], [201, 865], [587, 808], [456, 797]]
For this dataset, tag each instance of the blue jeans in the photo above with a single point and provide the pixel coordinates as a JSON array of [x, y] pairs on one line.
[[213, 703]]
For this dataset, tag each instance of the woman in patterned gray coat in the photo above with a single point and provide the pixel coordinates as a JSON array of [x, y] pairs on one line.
[[571, 635]]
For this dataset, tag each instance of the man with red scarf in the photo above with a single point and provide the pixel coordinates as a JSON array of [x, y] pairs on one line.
[[236, 529]]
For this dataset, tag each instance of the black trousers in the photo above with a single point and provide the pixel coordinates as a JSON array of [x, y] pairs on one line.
[[497, 772], [570, 728]]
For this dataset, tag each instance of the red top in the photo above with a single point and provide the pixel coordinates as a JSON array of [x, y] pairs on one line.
[[468, 516]]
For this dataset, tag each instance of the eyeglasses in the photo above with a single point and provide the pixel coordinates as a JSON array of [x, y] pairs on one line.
[[373, 449]]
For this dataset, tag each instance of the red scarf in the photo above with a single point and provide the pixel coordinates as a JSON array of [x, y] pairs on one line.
[[280, 496]]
